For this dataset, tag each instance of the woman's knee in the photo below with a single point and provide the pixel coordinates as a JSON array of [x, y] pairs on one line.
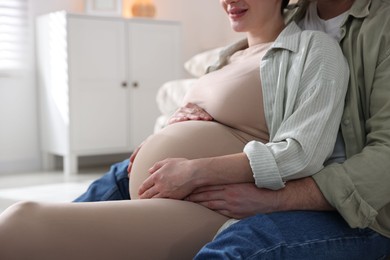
[[15, 223], [20, 215], [20, 210]]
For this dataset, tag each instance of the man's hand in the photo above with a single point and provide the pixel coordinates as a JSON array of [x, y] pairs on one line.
[[244, 200], [236, 200], [190, 112], [171, 178]]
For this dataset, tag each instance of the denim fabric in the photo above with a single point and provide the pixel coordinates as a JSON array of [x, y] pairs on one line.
[[114, 185], [296, 235]]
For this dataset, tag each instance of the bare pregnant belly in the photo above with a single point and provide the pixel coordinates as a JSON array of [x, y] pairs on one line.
[[189, 139]]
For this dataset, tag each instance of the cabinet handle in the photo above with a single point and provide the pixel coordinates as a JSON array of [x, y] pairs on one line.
[[135, 84], [124, 84]]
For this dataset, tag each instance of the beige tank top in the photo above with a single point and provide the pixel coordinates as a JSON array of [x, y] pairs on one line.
[[233, 95]]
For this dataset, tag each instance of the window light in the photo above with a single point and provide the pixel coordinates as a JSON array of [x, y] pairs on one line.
[[13, 34]]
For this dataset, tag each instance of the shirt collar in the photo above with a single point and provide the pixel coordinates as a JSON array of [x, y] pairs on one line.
[[360, 9], [289, 38]]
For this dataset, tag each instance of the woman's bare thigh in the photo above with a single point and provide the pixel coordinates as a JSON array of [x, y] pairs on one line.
[[140, 229]]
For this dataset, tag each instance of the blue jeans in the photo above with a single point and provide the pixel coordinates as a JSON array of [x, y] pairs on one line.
[[287, 235], [114, 185], [296, 235]]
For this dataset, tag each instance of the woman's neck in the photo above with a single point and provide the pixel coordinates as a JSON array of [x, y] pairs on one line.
[[267, 33], [328, 9]]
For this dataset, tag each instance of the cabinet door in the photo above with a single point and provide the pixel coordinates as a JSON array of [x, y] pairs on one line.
[[153, 60], [98, 101]]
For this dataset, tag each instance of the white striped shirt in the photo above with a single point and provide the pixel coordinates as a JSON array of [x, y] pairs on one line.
[[305, 77]]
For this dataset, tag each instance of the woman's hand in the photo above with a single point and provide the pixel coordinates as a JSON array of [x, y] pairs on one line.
[[190, 112], [170, 178]]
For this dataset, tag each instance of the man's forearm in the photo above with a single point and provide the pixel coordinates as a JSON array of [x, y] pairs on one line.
[[302, 194], [245, 199]]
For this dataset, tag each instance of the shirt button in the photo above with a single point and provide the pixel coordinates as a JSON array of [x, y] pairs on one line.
[[346, 122]]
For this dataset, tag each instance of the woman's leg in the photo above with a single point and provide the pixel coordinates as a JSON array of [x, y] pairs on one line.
[[141, 229]]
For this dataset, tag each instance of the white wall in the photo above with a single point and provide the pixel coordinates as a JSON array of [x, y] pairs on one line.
[[204, 23], [19, 146], [204, 26]]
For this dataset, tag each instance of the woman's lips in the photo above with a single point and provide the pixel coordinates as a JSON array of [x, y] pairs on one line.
[[235, 12]]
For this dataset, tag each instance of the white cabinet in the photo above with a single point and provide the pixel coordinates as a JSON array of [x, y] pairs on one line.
[[98, 78]]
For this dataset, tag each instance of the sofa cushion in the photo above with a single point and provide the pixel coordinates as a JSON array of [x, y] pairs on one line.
[[198, 64]]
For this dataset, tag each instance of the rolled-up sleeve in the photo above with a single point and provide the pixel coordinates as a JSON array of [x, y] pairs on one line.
[[304, 117]]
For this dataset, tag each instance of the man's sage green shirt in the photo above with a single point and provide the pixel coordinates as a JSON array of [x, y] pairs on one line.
[[359, 188]]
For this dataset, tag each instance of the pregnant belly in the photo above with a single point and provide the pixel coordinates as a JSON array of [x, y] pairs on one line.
[[189, 139]]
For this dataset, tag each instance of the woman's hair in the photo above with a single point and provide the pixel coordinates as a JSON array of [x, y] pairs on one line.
[[284, 4]]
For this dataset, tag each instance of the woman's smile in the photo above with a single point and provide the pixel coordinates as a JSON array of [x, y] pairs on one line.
[[236, 12]]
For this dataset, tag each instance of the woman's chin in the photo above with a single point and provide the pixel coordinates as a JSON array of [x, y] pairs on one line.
[[237, 27]]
